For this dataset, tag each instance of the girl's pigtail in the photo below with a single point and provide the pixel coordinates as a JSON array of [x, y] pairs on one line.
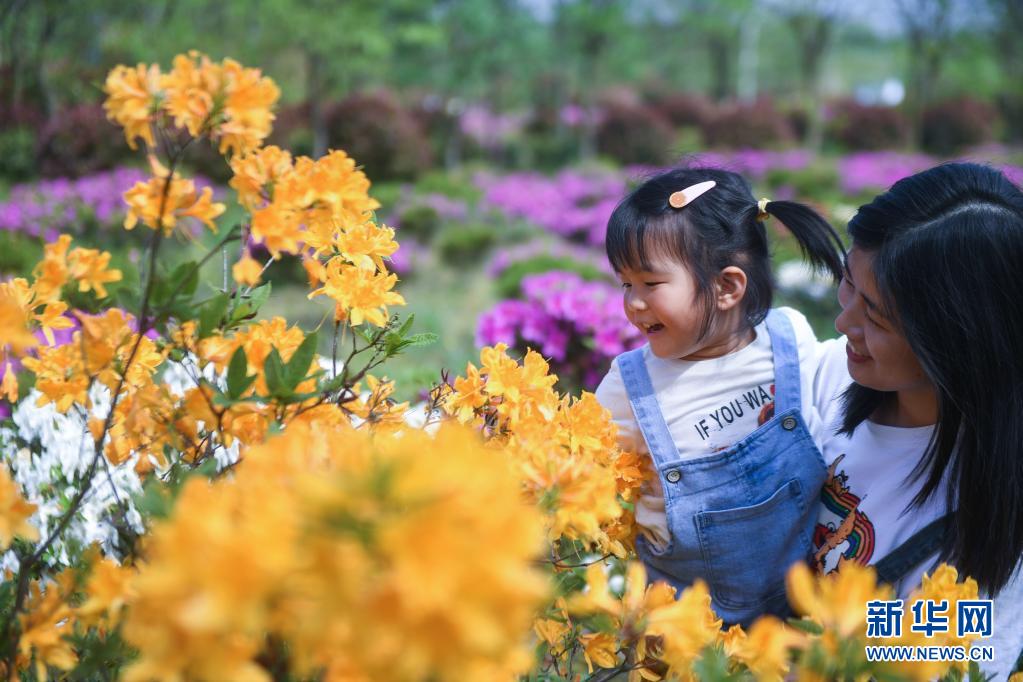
[[821, 246]]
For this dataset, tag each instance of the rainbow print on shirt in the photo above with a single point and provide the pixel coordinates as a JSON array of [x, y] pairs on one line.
[[843, 533]]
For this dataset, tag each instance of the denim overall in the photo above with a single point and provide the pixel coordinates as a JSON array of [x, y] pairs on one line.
[[741, 517]]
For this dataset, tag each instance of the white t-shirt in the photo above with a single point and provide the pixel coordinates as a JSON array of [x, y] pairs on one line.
[[708, 405], [870, 476]]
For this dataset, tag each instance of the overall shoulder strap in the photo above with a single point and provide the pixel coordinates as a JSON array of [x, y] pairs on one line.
[[922, 544], [787, 387], [644, 405]]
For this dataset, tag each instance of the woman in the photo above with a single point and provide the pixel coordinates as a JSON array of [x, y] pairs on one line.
[[927, 461]]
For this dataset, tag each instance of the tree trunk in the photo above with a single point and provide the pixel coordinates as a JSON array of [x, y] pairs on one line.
[[720, 49], [314, 95]]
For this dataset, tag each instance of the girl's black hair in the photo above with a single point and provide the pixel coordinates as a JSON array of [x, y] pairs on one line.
[[718, 229], [948, 258]]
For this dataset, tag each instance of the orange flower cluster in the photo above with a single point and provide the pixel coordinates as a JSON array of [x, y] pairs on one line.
[[322, 210], [162, 200], [361, 554], [564, 449], [25, 307], [50, 618], [226, 101]]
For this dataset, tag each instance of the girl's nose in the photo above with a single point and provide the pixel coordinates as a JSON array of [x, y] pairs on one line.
[[635, 302]]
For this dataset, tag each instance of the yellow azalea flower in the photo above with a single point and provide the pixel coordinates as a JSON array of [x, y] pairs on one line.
[[685, 628], [600, 648], [334, 181], [107, 592], [20, 292], [248, 101], [230, 102], [9, 385], [191, 89], [576, 477], [14, 512], [942, 585], [132, 99], [552, 631], [247, 271], [635, 610], [256, 173], [51, 273], [14, 320], [52, 318], [315, 272], [765, 649], [45, 623], [837, 600], [468, 395], [734, 641], [89, 268], [146, 199], [378, 408], [348, 528], [278, 228], [629, 474], [60, 376], [359, 295], [366, 245]]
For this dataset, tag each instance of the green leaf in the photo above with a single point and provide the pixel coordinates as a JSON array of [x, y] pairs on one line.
[[250, 305], [424, 339], [154, 501], [807, 626], [273, 368], [298, 366], [208, 468], [211, 314], [237, 374], [185, 276], [976, 674], [712, 666], [406, 325]]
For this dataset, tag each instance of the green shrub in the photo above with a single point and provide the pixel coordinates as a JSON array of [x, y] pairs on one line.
[[949, 126], [509, 282], [452, 185], [633, 133], [858, 126], [420, 222], [17, 153], [755, 125], [466, 244], [818, 181], [77, 141], [380, 134], [18, 253]]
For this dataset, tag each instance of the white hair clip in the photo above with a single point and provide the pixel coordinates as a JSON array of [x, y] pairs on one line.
[[685, 196]]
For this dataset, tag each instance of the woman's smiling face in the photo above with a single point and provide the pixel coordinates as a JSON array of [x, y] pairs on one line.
[[879, 356]]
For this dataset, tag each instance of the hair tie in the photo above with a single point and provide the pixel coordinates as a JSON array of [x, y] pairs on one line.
[[762, 213], [685, 196]]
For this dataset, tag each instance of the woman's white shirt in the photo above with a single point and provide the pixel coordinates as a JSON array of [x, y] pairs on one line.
[[866, 510]]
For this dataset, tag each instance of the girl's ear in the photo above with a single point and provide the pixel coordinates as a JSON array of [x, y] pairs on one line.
[[731, 287]]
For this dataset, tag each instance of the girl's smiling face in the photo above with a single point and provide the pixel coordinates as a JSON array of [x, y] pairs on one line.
[[662, 303], [665, 305], [879, 355]]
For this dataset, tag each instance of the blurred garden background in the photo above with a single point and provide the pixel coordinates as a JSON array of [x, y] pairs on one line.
[[500, 134]]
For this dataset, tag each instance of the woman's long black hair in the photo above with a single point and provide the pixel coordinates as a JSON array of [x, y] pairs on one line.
[[948, 260], [720, 228]]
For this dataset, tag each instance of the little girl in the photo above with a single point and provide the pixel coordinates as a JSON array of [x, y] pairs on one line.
[[719, 397]]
